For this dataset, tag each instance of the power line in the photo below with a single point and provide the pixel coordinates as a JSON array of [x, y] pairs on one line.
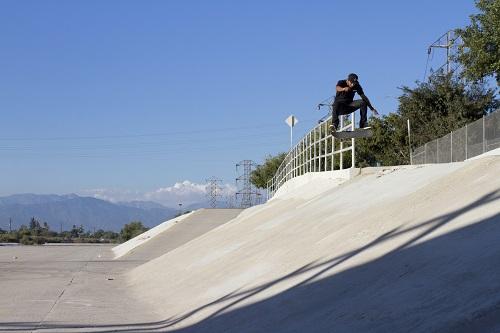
[[176, 142], [125, 136], [138, 153]]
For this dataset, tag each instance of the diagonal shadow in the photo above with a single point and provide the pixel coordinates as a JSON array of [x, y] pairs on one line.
[[237, 297], [445, 284], [325, 266]]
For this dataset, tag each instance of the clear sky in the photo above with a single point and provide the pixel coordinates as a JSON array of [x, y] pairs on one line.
[[118, 97]]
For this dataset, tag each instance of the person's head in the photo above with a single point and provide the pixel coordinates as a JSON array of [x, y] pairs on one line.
[[352, 78]]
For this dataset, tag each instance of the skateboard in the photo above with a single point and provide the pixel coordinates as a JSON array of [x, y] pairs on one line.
[[357, 133]]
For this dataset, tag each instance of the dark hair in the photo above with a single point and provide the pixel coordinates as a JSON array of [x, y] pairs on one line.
[[352, 77]]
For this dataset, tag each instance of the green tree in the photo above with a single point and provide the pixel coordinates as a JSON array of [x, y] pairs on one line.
[[98, 234], [263, 173], [23, 230], [480, 52], [110, 235], [444, 104], [35, 227], [76, 231], [131, 230], [434, 108], [387, 146]]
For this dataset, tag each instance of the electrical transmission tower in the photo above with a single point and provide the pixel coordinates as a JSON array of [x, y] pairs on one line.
[[246, 191], [213, 190], [449, 41]]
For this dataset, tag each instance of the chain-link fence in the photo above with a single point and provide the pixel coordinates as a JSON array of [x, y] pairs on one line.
[[472, 140]]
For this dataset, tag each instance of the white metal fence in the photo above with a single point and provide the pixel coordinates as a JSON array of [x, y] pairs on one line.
[[474, 139], [317, 151]]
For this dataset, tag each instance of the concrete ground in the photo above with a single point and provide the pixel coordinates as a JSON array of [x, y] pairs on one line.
[[81, 288], [68, 288]]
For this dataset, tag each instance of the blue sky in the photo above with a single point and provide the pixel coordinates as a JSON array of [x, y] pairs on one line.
[[135, 96]]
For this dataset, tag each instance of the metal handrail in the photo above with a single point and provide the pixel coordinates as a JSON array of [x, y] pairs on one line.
[[315, 152]]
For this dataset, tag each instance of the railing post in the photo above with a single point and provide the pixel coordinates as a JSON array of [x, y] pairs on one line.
[[353, 145], [333, 152], [341, 145], [314, 150]]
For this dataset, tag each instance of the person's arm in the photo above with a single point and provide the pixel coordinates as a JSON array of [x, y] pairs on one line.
[[366, 100], [340, 89], [341, 86]]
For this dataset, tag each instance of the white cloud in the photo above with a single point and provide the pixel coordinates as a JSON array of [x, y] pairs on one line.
[[185, 192]]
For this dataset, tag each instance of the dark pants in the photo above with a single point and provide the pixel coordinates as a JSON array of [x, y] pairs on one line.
[[343, 109]]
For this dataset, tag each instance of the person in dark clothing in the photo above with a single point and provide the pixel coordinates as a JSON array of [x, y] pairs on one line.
[[344, 103]]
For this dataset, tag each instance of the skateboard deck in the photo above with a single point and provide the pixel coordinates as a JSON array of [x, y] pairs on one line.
[[357, 133]]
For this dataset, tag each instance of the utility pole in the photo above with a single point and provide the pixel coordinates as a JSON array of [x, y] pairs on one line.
[[213, 190], [246, 191], [10, 225]]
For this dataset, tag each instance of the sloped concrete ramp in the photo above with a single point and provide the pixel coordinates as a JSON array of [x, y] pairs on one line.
[[196, 224], [397, 249]]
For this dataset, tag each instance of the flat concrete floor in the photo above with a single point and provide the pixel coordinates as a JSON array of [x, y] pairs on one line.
[[68, 288]]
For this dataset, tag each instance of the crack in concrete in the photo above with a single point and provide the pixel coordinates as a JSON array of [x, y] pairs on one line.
[[40, 324]]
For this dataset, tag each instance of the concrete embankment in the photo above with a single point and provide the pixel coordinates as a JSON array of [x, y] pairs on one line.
[[173, 233], [393, 249]]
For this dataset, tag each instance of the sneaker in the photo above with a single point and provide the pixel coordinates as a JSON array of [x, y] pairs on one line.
[[333, 129]]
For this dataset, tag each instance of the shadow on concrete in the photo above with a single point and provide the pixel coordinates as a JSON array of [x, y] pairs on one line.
[[448, 284]]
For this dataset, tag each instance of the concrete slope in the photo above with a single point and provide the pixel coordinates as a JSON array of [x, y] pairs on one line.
[[180, 232], [124, 248], [394, 249]]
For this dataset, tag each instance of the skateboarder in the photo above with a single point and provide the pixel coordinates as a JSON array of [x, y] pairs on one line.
[[344, 103]]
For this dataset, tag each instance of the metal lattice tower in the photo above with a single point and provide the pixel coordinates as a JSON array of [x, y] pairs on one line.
[[246, 191], [449, 41], [230, 201], [213, 190]]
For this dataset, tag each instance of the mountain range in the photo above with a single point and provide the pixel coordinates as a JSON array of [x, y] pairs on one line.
[[70, 209]]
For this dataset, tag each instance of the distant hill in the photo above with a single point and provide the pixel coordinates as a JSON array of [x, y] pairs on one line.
[[73, 209]]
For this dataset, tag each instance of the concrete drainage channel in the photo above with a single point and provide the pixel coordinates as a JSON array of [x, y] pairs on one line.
[[81, 288]]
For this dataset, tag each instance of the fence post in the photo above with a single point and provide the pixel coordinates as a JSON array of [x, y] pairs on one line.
[[437, 150], [484, 135], [466, 141], [409, 141], [451, 146], [425, 153]]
